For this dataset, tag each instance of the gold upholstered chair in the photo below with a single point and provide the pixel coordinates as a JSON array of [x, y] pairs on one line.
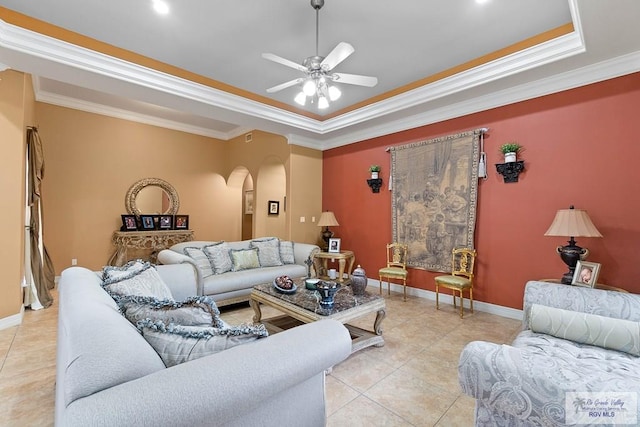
[[396, 266], [461, 277]]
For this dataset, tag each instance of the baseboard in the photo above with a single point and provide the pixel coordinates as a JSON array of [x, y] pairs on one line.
[[485, 307], [13, 320]]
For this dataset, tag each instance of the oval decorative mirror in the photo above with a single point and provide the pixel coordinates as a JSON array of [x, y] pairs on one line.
[[152, 196]]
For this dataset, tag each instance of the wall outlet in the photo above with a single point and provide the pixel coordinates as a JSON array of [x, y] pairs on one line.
[[302, 219], [74, 261], [313, 219]]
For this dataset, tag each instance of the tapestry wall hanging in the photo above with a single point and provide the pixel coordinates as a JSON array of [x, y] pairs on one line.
[[435, 188]]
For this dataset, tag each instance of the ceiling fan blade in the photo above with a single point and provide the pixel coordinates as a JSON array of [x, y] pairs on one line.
[[336, 56], [285, 85], [285, 62], [354, 79]]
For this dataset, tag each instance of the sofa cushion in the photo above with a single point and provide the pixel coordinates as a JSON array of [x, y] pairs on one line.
[[286, 252], [219, 257], [244, 259], [194, 311], [177, 344], [601, 331], [201, 259], [135, 280], [268, 251]]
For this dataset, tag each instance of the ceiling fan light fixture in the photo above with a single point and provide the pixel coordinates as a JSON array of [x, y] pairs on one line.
[[322, 102], [309, 88], [301, 99], [334, 93]]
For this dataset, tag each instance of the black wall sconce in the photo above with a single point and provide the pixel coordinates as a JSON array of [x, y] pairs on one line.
[[510, 171], [375, 184]]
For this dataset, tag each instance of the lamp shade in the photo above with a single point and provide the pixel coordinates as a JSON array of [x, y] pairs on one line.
[[573, 223], [327, 219]]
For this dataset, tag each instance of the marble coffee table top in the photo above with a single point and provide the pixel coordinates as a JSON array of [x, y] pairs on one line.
[[310, 300]]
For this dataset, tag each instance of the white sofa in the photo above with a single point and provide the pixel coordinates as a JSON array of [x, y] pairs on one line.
[[235, 286], [108, 375], [531, 381]]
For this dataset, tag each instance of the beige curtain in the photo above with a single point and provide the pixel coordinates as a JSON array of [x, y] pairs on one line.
[[41, 266]]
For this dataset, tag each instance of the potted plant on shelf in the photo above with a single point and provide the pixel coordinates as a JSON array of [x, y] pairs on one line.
[[509, 150], [375, 171]]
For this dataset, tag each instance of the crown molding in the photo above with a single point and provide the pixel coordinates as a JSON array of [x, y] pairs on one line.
[[605, 70], [51, 49], [119, 113]]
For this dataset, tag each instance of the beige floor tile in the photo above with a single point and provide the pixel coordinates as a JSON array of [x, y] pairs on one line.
[[338, 394], [28, 399], [415, 400], [442, 373], [460, 414], [362, 412], [361, 371]]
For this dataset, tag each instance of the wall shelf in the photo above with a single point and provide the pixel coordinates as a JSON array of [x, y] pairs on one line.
[[510, 171], [375, 184]]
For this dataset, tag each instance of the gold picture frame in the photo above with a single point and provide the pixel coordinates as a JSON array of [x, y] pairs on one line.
[[586, 274]]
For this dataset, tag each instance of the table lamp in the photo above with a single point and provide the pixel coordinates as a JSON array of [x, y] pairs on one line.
[[326, 220], [573, 223]]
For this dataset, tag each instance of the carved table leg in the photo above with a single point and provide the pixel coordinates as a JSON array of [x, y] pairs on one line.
[[377, 327], [341, 264], [256, 309]]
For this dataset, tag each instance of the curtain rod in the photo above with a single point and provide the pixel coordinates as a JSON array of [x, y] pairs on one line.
[[482, 130]]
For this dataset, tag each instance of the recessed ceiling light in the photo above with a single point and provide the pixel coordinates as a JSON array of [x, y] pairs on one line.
[[160, 7], [481, 1]]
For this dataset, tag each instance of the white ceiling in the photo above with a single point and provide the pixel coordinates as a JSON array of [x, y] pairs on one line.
[[398, 42]]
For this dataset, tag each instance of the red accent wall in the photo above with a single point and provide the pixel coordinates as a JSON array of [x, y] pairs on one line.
[[581, 148]]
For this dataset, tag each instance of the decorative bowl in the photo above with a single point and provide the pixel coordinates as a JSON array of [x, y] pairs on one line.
[[311, 284], [284, 284]]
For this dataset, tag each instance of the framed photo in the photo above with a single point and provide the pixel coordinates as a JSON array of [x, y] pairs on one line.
[[181, 222], [248, 202], [334, 245], [165, 222], [129, 223], [586, 274], [147, 222], [274, 207]]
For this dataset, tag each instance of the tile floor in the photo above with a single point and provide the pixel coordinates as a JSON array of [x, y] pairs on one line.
[[411, 381]]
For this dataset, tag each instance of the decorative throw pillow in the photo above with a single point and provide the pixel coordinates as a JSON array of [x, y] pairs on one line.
[[286, 252], [219, 257], [601, 331], [201, 259], [244, 259], [146, 282], [112, 274], [194, 311], [178, 344], [268, 251]]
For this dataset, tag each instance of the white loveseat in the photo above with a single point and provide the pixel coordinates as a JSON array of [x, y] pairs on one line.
[[109, 375], [235, 286]]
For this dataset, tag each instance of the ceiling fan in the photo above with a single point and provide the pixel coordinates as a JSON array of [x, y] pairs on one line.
[[317, 70]]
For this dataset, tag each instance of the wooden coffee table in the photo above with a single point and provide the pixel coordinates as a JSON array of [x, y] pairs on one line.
[[303, 307]]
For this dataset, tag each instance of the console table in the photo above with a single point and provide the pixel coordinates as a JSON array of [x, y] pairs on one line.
[[342, 258], [145, 244]]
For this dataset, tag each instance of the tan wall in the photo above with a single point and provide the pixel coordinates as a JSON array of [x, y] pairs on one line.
[[16, 113], [278, 170], [304, 194], [92, 160]]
